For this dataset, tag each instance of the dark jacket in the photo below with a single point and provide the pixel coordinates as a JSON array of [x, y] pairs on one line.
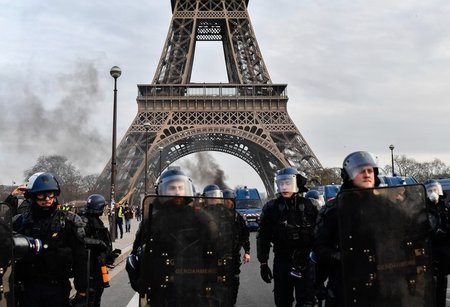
[[13, 201], [440, 239], [98, 241], [288, 224], [127, 213], [65, 255]]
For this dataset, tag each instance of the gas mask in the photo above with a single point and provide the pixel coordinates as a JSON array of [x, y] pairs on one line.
[[433, 196]]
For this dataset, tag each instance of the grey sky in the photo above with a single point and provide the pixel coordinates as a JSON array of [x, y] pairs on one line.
[[360, 75]]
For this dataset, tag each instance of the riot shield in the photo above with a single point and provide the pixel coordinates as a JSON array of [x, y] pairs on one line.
[[385, 252], [187, 251], [6, 257]]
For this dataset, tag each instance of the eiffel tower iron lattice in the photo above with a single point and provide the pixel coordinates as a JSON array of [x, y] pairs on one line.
[[246, 118]]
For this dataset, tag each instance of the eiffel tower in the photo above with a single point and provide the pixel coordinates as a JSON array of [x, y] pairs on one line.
[[246, 118]]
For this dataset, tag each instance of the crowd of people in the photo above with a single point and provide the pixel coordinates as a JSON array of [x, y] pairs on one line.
[[182, 234]]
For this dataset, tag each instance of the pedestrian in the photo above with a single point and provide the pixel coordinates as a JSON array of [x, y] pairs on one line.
[[138, 214], [128, 215], [288, 222], [58, 251], [242, 241], [98, 242], [440, 239], [359, 170], [119, 220]]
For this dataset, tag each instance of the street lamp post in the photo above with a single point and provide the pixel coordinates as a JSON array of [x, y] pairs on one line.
[[391, 147], [147, 128], [115, 73]]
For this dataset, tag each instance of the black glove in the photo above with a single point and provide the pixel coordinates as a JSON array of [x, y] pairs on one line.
[[266, 273], [109, 260], [79, 301]]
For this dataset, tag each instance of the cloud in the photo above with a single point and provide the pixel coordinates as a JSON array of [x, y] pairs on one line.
[[360, 75]]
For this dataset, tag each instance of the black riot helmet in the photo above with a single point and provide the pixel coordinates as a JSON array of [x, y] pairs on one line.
[[313, 194], [173, 182], [290, 180], [357, 161], [228, 193], [95, 204], [42, 182], [212, 190]]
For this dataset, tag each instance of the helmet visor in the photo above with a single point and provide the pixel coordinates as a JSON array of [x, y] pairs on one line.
[[214, 193], [178, 185], [286, 183], [359, 161]]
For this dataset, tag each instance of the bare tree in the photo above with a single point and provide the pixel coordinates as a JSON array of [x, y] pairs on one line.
[[325, 176], [421, 171], [68, 176], [88, 184]]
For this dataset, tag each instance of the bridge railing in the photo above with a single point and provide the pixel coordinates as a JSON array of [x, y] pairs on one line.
[[212, 90]]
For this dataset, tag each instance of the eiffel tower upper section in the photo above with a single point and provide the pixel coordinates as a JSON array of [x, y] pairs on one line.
[[211, 20], [246, 117]]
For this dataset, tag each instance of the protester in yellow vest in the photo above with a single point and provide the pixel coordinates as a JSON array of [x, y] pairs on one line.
[[119, 220]]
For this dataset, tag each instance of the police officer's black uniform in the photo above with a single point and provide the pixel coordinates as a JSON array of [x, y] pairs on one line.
[[440, 243], [326, 252], [98, 241], [43, 276], [13, 201], [288, 224], [175, 232]]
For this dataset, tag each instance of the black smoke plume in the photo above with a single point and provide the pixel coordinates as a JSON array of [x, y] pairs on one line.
[[203, 169], [68, 126]]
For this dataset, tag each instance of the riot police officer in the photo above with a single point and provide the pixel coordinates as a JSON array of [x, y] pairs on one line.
[[316, 198], [241, 242], [287, 222], [359, 170], [173, 232], [98, 242], [440, 240], [58, 253]]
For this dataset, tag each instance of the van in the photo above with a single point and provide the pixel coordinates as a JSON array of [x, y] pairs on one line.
[[249, 205], [388, 181], [328, 191]]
